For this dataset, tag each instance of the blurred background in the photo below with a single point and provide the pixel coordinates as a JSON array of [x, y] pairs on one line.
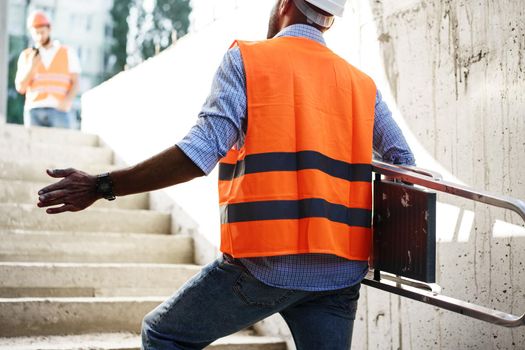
[[108, 36]]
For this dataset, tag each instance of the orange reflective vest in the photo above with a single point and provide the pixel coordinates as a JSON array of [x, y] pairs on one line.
[[54, 80], [301, 183]]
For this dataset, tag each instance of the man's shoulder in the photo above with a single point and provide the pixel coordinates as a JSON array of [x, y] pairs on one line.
[[239, 43], [63, 47], [265, 47], [24, 55]]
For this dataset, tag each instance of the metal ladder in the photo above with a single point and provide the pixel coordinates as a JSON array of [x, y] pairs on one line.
[[408, 268]]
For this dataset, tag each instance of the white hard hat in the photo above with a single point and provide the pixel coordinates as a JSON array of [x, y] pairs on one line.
[[333, 7]]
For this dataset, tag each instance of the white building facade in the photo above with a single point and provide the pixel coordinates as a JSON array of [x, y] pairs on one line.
[[205, 12]]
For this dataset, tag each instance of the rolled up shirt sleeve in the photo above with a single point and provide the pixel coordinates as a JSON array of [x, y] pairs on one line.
[[221, 120], [389, 144]]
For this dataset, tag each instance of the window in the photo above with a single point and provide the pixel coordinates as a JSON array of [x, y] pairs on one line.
[[88, 56], [89, 20]]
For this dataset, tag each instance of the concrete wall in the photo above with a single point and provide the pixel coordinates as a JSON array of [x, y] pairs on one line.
[[456, 69], [456, 72], [452, 73]]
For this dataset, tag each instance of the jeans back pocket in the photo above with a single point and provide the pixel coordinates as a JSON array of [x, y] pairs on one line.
[[254, 292]]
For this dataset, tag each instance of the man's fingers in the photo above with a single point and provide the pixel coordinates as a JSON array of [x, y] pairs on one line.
[[57, 210], [56, 173], [60, 172], [53, 198], [73, 192], [53, 187]]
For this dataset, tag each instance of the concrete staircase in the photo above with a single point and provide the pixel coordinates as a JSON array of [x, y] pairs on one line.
[[83, 280]]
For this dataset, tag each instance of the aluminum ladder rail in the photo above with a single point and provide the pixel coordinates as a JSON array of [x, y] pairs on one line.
[[428, 293]]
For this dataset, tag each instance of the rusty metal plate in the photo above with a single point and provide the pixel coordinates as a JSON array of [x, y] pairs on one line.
[[405, 231]]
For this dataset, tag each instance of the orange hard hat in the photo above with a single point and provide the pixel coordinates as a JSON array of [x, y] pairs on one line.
[[38, 19]]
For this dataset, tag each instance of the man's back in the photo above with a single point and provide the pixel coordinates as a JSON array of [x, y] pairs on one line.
[[301, 182]]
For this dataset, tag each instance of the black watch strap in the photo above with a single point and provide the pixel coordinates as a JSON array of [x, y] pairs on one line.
[[104, 186]]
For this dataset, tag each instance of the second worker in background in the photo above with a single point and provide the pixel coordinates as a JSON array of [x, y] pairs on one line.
[[48, 76]]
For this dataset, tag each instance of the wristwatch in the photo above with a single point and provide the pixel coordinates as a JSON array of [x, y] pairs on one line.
[[104, 186]]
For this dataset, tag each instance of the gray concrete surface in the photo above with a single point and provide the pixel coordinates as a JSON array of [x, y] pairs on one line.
[[130, 341], [30, 217], [456, 70], [12, 151], [13, 132], [72, 246], [58, 316], [35, 170], [39, 279]]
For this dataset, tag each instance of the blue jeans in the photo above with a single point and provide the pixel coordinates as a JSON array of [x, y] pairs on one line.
[[50, 117], [225, 298]]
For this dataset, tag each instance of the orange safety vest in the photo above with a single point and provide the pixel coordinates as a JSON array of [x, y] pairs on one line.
[[55, 80], [301, 183]]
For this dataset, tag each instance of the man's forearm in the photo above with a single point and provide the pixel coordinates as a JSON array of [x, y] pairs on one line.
[[22, 82], [70, 96], [66, 103], [77, 190], [165, 169]]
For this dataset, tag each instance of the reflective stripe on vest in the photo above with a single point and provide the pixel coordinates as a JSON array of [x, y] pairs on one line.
[[50, 77], [54, 81], [50, 89], [302, 181]]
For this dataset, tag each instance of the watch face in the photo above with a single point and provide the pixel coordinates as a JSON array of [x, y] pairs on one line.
[[104, 187]]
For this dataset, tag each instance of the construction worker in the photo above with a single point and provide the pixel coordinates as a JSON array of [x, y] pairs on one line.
[[47, 75], [294, 127]]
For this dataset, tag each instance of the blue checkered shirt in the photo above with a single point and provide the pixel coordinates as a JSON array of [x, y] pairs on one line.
[[221, 124]]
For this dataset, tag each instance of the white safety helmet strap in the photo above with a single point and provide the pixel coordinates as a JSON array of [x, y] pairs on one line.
[[312, 16]]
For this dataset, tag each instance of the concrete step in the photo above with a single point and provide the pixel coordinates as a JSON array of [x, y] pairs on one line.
[[58, 316], [91, 280], [30, 217], [25, 192], [19, 133], [36, 170], [42, 246], [131, 341], [13, 151]]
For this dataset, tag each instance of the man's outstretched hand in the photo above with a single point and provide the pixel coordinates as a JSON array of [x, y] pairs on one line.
[[75, 192]]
